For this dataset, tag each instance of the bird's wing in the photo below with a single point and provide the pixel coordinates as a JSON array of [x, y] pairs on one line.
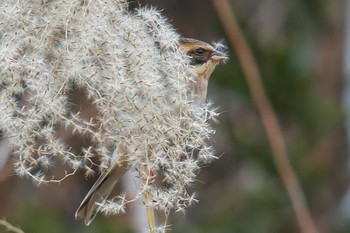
[[99, 193]]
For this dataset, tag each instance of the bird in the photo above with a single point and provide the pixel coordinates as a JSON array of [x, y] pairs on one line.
[[203, 58]]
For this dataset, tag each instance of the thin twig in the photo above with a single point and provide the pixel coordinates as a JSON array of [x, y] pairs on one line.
[[10, 227], [268, 116]]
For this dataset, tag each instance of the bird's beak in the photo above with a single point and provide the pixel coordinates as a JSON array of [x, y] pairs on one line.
[[218, 56]]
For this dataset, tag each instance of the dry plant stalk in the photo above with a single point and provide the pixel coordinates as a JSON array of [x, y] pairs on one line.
[[9, 227], [269, 118], [129, 65]]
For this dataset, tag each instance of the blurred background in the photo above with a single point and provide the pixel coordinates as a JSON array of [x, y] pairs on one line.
[[302, 52]]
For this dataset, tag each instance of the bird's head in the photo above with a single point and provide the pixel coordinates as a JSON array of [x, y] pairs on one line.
[[203, 60]]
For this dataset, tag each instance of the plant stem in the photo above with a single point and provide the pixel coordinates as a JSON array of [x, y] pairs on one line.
[[269, 118], [150, 214]]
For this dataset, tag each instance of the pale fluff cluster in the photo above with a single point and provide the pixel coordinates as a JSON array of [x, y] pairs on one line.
[[131, 70]]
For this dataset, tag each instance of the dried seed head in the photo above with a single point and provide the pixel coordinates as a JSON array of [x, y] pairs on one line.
[[130, 69]]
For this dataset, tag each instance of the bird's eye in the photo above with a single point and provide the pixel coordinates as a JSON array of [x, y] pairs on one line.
[[200, 51]]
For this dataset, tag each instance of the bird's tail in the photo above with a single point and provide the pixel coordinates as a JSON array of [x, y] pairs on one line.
[[99, 193]]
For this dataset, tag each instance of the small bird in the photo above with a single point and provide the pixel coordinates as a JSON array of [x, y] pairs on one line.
[[203, 60]]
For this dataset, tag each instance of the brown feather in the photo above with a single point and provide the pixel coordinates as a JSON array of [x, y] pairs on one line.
[[99, 193]]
